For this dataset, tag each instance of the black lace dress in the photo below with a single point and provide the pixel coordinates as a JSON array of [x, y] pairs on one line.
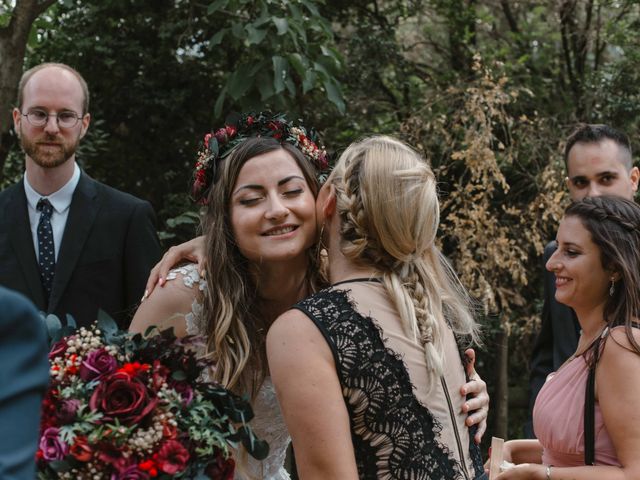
[[394, 435]]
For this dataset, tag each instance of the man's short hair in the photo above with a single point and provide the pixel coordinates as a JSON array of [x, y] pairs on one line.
[[596, 133], [26, 76]]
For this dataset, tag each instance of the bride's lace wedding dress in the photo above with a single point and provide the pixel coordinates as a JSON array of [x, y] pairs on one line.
[[267, 423]]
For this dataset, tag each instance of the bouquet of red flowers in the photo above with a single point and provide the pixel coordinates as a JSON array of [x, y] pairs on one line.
[[133, 407]]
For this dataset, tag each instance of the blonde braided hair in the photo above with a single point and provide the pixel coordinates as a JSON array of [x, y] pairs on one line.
[[386, 197]]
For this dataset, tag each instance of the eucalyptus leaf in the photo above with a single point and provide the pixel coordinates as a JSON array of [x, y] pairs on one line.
[[282, 25]]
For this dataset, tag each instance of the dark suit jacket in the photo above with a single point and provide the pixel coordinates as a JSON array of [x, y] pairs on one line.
[[108, 247], [24, 374], [557, 339]]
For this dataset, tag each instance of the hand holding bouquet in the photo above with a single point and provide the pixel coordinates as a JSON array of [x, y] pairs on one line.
[[123, 407]]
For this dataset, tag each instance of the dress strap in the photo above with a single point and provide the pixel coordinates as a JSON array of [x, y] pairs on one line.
[[361, 279]]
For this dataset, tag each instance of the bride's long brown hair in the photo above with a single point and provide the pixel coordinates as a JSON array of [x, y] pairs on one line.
[[234, 328]]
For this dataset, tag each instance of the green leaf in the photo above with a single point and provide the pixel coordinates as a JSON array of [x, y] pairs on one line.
[[265, 87], [239, 82], [217, 109], [54, 327], [255, 36], [106, 324], [217, 5], [280, 72], [309, 81], [218, 37], [311, 7], [238, 30], [282, 25], [334, 95], [179, 375], [298, 63]]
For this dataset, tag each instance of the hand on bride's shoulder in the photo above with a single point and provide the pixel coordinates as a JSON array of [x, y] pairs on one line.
[[191, 251], [167, 307]]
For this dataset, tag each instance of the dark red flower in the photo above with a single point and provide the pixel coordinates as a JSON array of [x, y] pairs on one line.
[[172, 457], [132, 472], [58, 349], [97, 364], [81, 450], [68, 409], [160, 374], [123, 397], [221, 136], [221, 468], [231, 131], [207, 137], [249, 120], [185, 391]]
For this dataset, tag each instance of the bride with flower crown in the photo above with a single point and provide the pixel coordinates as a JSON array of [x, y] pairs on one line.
[[259, 178]]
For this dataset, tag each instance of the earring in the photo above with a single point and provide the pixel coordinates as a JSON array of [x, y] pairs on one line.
[[612, 288], [321, 246]]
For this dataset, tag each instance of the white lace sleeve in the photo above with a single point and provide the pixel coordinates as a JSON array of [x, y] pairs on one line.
[[191, 278]]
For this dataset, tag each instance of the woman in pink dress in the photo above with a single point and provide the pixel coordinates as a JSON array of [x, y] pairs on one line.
[[597, 269]]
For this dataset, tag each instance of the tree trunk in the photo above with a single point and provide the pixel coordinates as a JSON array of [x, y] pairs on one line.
[[500, 401], [13, 44]]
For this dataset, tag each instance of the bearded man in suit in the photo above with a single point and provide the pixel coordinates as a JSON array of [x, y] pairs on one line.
[[69, 243]]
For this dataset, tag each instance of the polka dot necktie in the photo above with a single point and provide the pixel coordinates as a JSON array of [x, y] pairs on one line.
[[46, 250]]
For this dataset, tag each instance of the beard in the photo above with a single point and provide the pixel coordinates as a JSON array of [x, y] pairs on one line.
[[52, 156]]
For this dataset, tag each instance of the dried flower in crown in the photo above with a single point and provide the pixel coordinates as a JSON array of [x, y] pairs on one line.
[[218, 144]]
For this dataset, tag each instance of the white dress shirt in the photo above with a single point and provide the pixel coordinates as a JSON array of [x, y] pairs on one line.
[[60, 201]]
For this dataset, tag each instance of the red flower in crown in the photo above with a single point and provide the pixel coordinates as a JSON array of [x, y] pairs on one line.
[[252, 125]]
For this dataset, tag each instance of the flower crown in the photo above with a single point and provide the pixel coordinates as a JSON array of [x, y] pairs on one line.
[[218, 144]]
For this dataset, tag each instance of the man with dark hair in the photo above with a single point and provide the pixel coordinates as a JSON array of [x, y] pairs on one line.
[[598, 161], [69, 243]]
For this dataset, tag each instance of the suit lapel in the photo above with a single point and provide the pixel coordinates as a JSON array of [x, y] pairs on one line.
[[85, 204], [22, 243]]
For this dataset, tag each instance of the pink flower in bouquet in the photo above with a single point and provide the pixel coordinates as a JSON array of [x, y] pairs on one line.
[[51, 446], [123, 397], [172, 457], [97, 364]]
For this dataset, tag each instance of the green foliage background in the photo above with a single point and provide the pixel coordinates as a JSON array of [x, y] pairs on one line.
[[487, 90]]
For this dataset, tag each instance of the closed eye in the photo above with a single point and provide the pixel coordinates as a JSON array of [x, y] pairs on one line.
[[293, 193]]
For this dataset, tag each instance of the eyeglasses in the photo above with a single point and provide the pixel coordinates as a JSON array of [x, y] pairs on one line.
[[39, 118]]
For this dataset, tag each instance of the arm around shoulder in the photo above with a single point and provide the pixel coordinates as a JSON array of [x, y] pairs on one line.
[[166, 308], [304, 374]]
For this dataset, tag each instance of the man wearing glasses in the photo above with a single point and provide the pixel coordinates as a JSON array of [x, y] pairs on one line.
[[69, 243]]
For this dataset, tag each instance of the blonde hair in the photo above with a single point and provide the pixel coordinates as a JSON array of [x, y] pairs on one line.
[[234, 327], [387, 200]]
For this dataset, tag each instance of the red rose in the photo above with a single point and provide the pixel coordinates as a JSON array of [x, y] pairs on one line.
[[221, 468], [249, 120], [172, 457], [97, 364], [81, 450], [58, 349], [123, 397]]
